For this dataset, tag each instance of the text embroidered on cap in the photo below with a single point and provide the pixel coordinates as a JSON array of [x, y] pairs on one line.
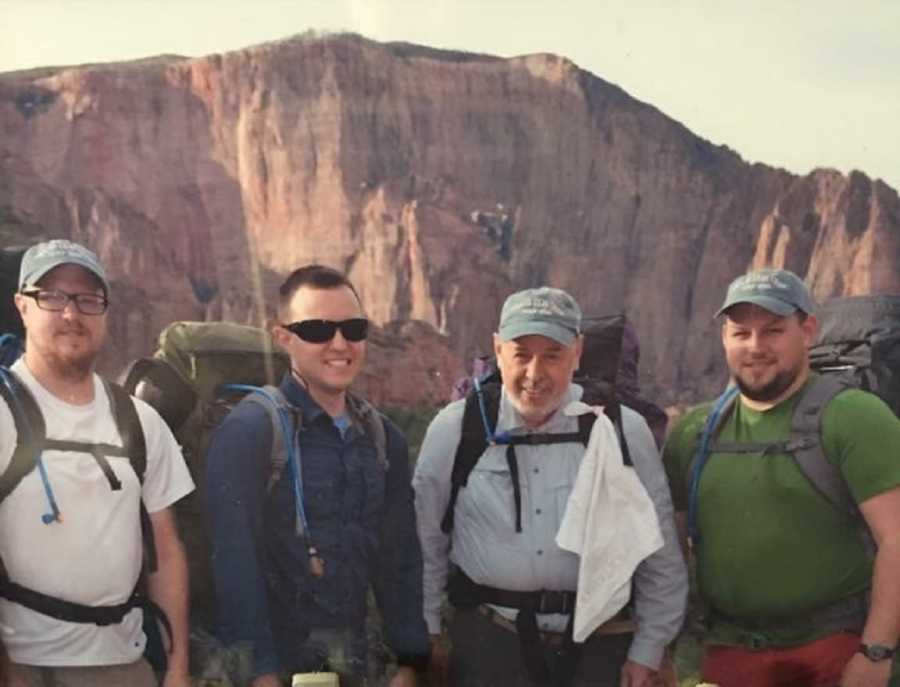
[[760, 282], [541, 305]]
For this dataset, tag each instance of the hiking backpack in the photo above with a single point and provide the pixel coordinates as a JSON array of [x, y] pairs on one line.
[[858, 347], [607, 342], [859, 343], [12, 333], [199, 373], [185, 381]]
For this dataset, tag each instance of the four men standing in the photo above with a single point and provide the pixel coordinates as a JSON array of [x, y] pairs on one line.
[[310, 503]]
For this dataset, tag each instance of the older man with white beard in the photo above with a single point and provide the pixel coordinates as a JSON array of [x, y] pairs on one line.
[[511, 585]]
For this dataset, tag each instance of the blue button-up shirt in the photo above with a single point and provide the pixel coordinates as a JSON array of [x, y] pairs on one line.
[[361, 520]]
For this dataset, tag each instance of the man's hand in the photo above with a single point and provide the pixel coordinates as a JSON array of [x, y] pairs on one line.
[[9, 677], [637, 675], [861, 672], [668, 676], [178, 678], [439, 661], [267, 680], [404, 677]]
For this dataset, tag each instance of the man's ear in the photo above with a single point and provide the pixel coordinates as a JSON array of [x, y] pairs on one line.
[[281, 337], [498, 344], [22, 303], [810, 328], [579, 349]]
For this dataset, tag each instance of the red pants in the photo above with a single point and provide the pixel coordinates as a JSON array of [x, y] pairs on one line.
[[817, 664]]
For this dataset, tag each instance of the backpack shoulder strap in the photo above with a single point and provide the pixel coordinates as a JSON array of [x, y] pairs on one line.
[[134, 443], [129, 427], [718, 414], [482, 406], [806, 443], [285, 419], [11, 349], [612, 410], [30, 430]]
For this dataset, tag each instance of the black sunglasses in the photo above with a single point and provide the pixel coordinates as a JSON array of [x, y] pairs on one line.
[[320, 331]]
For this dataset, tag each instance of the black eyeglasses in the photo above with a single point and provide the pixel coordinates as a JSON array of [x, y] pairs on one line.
[[320, 331], [56, 301]]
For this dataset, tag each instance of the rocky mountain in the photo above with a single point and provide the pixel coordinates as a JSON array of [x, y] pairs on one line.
[[439, 180]]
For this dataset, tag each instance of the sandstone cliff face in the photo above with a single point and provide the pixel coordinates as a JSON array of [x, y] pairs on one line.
[[439, 181]]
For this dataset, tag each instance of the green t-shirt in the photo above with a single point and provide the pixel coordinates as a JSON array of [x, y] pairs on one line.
[[772, 548]]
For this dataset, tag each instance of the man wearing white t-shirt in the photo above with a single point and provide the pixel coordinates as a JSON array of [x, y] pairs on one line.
[[71, 531]]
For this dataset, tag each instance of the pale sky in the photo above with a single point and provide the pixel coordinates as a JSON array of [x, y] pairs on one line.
[[797, 84]]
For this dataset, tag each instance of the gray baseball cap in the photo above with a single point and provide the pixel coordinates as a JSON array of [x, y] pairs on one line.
[[544, 311], [43, 257], [779, 291]]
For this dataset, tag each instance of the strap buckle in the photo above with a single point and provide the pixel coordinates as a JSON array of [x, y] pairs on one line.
[[554, 602]]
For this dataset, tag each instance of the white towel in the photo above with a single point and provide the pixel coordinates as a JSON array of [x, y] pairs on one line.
[[610, 522]]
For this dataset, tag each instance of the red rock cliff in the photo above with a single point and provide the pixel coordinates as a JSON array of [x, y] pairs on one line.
[[440, 181]]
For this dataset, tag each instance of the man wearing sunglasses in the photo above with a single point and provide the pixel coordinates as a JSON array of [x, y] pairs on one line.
[[77, 492], [294, 556]]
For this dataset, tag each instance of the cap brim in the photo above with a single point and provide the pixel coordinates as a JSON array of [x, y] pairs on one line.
[[548, 329], [773, 305]]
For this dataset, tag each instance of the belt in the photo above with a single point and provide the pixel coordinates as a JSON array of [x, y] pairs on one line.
[[620, 624], [463, 592]]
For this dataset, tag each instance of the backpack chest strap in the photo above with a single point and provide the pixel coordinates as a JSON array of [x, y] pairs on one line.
[[479, 420], [100, 452], [513, 463], [540, 439], [465, 592], [752, 447]]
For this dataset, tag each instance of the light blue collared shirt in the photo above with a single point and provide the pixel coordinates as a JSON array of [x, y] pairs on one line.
[[487, 547]]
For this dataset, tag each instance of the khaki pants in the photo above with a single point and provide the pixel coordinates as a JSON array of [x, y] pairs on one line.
[[137, 674]]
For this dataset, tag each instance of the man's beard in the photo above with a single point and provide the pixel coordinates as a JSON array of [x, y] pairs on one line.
[[770, 391], [74, 367], [538, 413]]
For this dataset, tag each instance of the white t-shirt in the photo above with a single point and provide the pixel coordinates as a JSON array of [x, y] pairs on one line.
[[94, 555]]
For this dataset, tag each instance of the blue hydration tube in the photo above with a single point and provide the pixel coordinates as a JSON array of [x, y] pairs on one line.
[[491, 437], [54, 515], [293, 451], [701, 456]]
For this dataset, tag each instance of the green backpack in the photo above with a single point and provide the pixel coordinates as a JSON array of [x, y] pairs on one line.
[[187, 381]]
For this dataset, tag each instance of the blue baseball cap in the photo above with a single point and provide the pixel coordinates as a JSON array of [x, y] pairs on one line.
[[779, 291], [43, 257], [544, 311]]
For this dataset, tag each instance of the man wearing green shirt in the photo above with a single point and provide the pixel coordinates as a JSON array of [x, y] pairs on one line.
[[794, 596]]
